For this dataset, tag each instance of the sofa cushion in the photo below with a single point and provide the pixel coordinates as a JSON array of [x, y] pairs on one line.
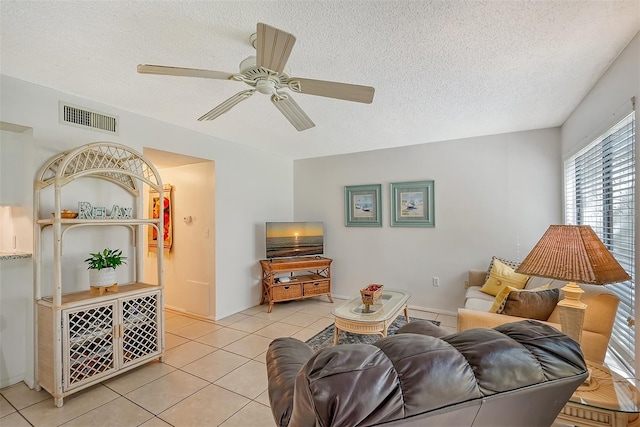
[[501, 276], [531, 305], [476, 300], [478, 304], [512, 264], [501, 297], [474, 292]]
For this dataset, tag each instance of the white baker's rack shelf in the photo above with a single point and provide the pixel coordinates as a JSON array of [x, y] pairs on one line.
[[129, 170]]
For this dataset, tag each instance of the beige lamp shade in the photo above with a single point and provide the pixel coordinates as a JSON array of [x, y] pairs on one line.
[[573, 253]]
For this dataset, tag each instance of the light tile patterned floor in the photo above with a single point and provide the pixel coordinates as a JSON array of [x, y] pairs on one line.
[[214, 374]]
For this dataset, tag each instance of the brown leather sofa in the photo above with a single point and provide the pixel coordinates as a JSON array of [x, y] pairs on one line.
[[518, 374]]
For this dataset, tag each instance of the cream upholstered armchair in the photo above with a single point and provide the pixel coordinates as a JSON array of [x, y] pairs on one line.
[[602, 305]]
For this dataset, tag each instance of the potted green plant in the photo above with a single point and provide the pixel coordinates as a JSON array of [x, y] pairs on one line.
[[102, 267]]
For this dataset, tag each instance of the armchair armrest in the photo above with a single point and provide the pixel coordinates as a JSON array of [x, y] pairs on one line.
[[593, 344], [471, 319], [285, 357]]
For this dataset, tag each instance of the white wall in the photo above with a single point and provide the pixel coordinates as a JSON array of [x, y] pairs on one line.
[[16, 277], [16, 192], [606, 104], [262, 181], [494, 195], [189, 268], [16, 326]]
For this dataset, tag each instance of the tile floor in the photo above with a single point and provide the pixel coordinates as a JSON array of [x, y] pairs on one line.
[[214, 374]]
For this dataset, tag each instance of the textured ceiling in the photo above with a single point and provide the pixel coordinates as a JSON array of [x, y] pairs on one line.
[[441, 69]]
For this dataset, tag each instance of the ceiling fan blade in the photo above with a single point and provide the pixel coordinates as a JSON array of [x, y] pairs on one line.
[[345, 91], [227, 105], [273, 47], [183, 72], [292, 111]]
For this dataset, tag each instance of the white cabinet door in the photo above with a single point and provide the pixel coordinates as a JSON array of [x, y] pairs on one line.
[[89, 343], [140, 327]]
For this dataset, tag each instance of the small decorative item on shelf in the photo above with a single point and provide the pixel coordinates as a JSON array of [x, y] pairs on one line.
[[102, 269], [66, 214], [371, 295]]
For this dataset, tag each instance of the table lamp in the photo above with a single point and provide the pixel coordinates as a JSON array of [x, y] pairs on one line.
[[573, 253]]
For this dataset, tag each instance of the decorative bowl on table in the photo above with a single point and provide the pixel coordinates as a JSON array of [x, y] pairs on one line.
[[66, 214], [371, 294]]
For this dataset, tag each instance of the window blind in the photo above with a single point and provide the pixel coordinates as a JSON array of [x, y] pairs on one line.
[[600, 192]]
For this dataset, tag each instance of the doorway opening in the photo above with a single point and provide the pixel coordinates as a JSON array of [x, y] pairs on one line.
[[189, 265]]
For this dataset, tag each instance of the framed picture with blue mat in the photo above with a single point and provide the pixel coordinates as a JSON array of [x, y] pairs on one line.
[[412, 204], [362, 205]]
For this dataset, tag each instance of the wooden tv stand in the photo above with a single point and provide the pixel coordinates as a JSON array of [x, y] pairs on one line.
[[314, 280]]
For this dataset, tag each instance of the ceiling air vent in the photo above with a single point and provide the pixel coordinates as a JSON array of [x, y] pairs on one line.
[[81, 117]]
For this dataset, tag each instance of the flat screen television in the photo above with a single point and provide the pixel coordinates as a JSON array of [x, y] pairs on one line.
[[292, 239]]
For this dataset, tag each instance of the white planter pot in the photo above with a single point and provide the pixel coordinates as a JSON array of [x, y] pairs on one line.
[[102, 278]]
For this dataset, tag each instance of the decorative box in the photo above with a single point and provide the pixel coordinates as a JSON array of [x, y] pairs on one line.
[[371, 294]]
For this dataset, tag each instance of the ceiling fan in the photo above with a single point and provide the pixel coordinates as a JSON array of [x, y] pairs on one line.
[[268, 73]]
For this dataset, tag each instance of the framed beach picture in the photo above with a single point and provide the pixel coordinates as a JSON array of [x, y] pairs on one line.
[[412, 204], [362, 206]]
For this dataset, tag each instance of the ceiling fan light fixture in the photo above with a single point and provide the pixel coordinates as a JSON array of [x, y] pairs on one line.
[[266, 86]]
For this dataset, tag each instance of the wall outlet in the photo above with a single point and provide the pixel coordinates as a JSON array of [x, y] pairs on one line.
[[436, 281]]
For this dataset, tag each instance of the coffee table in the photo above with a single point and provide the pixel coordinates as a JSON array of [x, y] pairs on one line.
[[352, 316], [608, 400]]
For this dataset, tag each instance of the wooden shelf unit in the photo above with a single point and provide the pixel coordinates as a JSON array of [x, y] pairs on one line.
[[315, 281], [83, 338]]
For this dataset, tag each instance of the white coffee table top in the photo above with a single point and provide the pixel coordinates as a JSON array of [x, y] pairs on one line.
[[388, 306]]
